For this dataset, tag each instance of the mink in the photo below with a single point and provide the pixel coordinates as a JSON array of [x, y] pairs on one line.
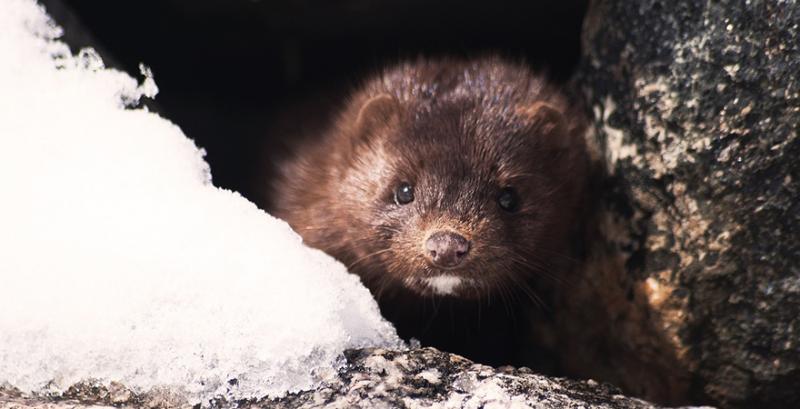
[[453, 188]]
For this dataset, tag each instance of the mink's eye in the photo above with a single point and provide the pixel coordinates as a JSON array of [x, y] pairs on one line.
[[404, 194], [508, 199]]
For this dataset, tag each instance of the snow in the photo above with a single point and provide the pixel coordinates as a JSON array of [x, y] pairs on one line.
[[120, 261]]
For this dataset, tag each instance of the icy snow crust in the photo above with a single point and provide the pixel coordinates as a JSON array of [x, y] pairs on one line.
[[120, 261]]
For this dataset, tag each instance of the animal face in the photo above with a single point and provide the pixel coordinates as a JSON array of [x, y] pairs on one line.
[[461, 199]]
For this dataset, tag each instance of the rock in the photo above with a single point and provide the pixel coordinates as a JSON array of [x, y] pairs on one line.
[[697, 113], [379, 378], [426, 377]]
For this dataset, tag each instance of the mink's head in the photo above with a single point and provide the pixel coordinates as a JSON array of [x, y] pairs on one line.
[[457, 179]]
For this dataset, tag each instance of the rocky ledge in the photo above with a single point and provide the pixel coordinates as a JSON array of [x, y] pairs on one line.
[[378, 378]]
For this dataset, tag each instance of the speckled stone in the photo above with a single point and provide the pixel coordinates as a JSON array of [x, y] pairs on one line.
[[378, 378], [426, 378], [697, 109]]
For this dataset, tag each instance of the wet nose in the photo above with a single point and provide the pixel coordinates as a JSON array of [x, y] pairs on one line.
[[446, 249]]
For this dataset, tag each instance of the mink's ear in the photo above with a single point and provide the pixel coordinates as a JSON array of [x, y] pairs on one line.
[[545, 117], [547, 120], [379, 111]]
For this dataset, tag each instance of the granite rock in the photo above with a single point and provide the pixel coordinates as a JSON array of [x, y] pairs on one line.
[[697, 113], [376, 378]]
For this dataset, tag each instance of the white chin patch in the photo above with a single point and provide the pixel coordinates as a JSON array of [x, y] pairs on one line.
[[444, 284]]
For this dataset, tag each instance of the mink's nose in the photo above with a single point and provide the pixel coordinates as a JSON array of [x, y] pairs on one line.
[[446, 249]]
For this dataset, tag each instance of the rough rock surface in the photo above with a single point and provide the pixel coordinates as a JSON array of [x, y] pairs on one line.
[[377, 378], [428, 378], [697, 110]]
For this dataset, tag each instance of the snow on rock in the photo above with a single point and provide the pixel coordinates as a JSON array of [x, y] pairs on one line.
[[425, 378], [120, 261]]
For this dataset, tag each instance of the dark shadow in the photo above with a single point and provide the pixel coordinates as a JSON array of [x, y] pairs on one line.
[[238, 75]]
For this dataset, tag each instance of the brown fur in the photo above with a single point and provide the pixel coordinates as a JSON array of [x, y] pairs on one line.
[[459, 131]]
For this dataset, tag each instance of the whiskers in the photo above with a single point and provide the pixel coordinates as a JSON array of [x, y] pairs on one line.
[[534, 262], [512, 286], [507, 298], [523, 287], [368, 256]]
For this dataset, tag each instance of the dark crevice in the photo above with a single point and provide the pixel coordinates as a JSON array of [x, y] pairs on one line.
[[233, 73]]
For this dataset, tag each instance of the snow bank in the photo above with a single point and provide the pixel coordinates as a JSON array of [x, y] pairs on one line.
[[119, 260]]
